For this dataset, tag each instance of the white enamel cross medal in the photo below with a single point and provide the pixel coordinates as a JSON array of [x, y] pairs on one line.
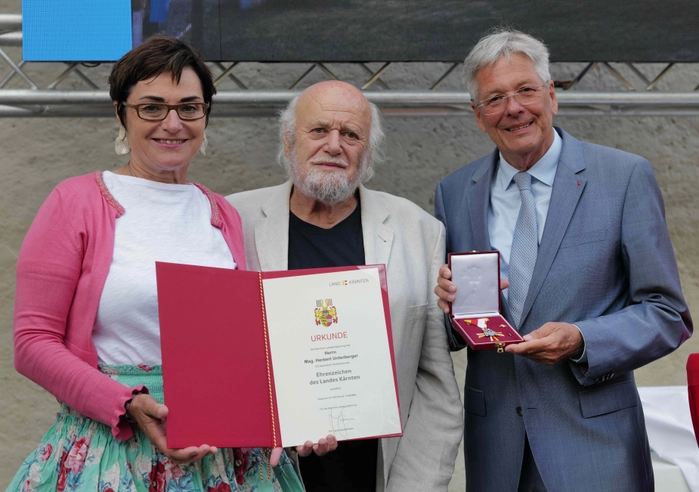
[[488, 332]]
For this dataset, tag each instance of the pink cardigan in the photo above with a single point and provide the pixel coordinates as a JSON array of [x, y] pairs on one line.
[[61, 271]]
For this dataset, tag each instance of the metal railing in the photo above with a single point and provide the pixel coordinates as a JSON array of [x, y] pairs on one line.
[[635, 93]]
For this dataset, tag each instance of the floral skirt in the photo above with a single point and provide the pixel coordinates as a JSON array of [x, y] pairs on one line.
[[79, 453]]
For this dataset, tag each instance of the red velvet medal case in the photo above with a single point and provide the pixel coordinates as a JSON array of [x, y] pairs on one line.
[[475, 313]]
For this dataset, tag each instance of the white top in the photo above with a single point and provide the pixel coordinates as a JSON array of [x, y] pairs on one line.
[[161, 222]]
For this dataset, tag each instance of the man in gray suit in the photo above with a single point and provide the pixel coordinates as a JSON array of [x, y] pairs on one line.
[[596, 293], [322, 217]]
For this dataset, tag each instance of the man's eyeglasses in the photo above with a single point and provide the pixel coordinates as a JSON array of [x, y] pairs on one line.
[[159, 111], [498, 103]]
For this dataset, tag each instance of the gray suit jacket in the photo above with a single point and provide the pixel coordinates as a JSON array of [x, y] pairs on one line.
[[411, 244], [606, 264]]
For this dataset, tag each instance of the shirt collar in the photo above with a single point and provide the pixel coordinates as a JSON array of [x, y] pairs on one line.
[[544, 170]]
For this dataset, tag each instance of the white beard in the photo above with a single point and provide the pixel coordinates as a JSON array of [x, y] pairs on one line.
[[326, 186]]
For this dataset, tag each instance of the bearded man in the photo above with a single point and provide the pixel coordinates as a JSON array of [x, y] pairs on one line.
[[324, 217]]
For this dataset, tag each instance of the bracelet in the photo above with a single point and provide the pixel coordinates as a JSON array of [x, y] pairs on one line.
[[127, 416]]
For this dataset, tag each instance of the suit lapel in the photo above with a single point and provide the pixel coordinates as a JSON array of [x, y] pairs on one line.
[[568, 187], [272, 230], [478, 205], [378, 237]]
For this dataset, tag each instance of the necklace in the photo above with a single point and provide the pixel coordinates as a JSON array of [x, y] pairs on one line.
[[128, 168]]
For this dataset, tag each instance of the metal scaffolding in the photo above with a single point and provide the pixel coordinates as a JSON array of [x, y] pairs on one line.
[[73, 90]]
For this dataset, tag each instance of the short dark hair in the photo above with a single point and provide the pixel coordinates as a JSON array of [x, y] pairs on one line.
[[158, 54]]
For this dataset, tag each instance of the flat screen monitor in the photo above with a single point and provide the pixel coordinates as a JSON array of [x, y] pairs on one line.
[[360, 30]]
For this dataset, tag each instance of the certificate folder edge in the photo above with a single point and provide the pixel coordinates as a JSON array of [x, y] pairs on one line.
[[203, 299], [224, 383]]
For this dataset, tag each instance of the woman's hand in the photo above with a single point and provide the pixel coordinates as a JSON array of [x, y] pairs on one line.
[[274, 457], [150, 416]]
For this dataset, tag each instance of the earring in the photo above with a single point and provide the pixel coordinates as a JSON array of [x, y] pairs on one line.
[[204, 143], [121, 143]]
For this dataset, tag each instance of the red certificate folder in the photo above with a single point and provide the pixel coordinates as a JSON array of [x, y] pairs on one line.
[[218, 374], [475, 313]]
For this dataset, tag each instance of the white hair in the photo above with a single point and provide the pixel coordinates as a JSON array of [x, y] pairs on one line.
[[287, 131], [504, 42]]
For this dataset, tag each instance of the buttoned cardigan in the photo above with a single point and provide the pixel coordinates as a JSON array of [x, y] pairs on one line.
[[61, 270]]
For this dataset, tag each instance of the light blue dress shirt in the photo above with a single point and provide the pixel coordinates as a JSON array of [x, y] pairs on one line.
[[505, 201], [505, 204]]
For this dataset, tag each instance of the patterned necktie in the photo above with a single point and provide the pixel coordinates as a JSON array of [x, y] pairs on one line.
[[525, 245]]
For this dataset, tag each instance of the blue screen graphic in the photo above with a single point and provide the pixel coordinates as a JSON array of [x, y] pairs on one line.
[[76, 30]]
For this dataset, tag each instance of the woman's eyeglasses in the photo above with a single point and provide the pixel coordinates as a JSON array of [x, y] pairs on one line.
[[159, 111]]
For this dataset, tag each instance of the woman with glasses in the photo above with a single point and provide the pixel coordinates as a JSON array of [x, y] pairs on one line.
[[86, 319]]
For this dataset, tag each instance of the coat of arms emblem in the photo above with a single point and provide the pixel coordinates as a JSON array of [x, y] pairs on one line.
[[326, 313]]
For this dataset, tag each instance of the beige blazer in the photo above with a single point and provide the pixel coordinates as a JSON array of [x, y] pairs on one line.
[[411, 243]]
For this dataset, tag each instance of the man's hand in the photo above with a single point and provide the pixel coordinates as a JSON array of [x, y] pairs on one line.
[[446, 289], [550, 343], [323, 446], [150, 416]]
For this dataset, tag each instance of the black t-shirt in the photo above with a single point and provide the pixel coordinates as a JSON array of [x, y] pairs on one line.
[[314, 247], [352, 466]]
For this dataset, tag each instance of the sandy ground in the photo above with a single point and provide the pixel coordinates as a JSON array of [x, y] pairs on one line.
[[37, 153]]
